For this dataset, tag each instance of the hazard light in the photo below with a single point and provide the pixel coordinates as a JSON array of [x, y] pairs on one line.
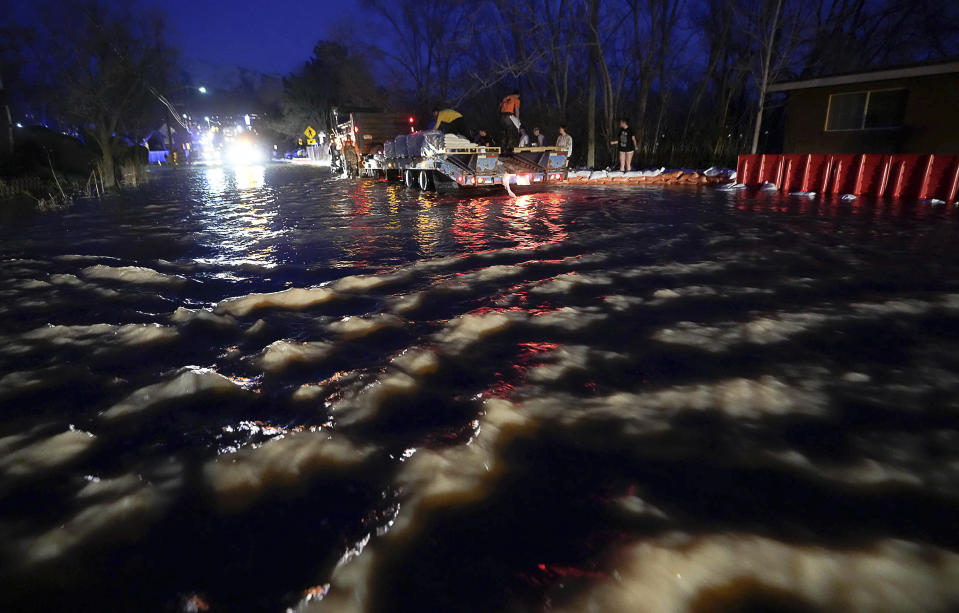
[[356, 129], [411, 120]]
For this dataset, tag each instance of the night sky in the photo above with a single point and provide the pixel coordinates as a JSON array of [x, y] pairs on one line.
[[270, 37]]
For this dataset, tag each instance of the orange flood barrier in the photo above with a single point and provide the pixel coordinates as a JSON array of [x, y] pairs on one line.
[[911, 176]]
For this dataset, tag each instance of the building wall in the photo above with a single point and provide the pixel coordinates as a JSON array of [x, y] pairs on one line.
[[931, 123]]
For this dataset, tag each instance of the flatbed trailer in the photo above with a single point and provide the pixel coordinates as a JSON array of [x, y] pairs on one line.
[[471, 167]]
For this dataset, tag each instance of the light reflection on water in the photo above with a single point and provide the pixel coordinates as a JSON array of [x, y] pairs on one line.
[[237, 215], [680, 363]]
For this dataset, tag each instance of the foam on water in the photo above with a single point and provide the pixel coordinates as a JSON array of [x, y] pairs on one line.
[[365, 283], [368, 403], [100, 337], [432, 481], [680, 572], [417, 361], [463, 331], [568, 282], [205, 317], [239, 479], [295, 298], [74, 282], [138, 275], [46, 454], [358, 327], [120, 508], [192, 382], [283, 353]]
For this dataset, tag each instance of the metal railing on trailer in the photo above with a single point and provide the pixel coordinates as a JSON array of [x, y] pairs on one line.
[[473, 167]]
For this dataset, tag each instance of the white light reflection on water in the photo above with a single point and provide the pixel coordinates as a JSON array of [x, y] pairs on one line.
[[237, 215]]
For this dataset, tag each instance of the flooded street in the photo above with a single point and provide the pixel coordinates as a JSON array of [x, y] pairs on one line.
[[257, 389]]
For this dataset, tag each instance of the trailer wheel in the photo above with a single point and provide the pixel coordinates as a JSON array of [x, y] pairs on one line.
[[426, 181], [409, 179]]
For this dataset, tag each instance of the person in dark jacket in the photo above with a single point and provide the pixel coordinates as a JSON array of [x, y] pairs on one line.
[[626, 144]]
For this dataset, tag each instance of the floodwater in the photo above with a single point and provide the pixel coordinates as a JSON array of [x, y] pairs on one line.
[[264, 389]]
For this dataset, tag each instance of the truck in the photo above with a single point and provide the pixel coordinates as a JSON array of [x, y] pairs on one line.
[[359, 133], [386, 145]]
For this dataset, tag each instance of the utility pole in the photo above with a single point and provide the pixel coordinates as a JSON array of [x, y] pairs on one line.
[[170, 155]]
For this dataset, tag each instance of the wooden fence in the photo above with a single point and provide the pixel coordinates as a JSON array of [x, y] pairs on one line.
[[20, 185]]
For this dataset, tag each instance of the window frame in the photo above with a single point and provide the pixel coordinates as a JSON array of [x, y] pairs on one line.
[[865, 109]]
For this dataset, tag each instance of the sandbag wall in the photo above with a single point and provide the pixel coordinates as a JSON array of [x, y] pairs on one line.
[[649, 177], [911, 176]]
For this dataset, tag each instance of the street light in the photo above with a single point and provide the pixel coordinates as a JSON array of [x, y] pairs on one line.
[[201, 89]]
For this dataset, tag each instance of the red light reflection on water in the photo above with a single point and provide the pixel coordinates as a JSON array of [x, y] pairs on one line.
[[528, 221], [506, 382], [832, 205]]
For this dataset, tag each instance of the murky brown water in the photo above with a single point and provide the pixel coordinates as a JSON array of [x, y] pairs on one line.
[[261, 389]]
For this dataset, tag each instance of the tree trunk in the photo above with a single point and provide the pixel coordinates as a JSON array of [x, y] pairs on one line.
[[764, 81], [8, 129], [591, 90], [103, 136]]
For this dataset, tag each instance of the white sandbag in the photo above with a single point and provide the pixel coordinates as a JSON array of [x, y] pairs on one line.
[[614, 174], [414, 144], [714, 171], [580, 174], [633, 174], [597, 174], [434, 139], [654, 173], [399, 146]]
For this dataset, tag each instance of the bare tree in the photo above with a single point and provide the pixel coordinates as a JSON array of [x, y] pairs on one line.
[[113, 61]]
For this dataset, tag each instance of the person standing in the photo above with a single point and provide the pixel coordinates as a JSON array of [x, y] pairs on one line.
[[564, 140], [626, 143], [537, 139], [509, 120], [523, 137], [483, 139]]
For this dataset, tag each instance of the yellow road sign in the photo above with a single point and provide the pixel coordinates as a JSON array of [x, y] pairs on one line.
[[311, 141], [310, 132]]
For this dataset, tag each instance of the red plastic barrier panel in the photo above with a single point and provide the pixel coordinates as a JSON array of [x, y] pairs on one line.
[[842, 178], [938, 177], [747, 169], [953, 190], [814, 172], [770, 169], [794, 168], [910, 176], [869, 174], [906, 175]]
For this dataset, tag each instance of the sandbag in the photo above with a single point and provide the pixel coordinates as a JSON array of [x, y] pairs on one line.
[[399, 146]]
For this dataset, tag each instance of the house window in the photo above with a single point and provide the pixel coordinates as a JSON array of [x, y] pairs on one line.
[[870, 110]]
